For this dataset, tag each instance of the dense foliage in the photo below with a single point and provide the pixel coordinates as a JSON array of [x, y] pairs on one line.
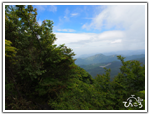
[[40, 75]]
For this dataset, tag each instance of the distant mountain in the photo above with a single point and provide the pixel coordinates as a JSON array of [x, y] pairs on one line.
[[125, 52], [134, 57], [122, 52], [94, 69], [100, 58], [85, 55]]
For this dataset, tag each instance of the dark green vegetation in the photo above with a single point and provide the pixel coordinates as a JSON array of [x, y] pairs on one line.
[[42, 76]]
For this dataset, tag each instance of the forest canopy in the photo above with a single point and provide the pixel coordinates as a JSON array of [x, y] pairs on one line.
[[40, 75]]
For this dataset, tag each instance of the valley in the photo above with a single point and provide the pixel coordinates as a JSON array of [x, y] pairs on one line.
[[105, 65]]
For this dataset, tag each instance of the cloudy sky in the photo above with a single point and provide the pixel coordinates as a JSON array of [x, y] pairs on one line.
[[96, 28]]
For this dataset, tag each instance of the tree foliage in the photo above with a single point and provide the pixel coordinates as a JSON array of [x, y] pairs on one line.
[[42, 75], [42, 68]]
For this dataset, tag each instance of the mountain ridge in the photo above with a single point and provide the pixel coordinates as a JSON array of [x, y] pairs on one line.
[[101, 58], [120, 52]]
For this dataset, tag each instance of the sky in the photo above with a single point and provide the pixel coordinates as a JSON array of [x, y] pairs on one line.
[[88, 29]]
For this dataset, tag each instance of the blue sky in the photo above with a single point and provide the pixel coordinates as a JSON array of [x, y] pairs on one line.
[[68, 18], [96, 28]]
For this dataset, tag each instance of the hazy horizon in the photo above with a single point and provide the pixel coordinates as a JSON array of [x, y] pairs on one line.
[[122, 52]]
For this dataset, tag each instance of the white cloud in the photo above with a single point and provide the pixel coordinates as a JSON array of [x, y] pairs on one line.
[[111, 35], [116, 41], [71, 30], [66, 17], [70, 37], [85, 38], [74, 14], [41, 7], [66, 14], [61, 29], [130, 19], [52, 8], [66, 30], [85, 43], [121, 16], [67, 11]]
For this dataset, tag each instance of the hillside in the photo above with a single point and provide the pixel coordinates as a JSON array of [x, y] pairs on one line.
[[94, 69], [98, 58]]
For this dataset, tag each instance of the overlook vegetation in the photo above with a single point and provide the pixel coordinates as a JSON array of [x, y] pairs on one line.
[[42, 76]]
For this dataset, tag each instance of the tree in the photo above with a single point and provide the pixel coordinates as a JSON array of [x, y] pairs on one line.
[[130, 81], [41, 69]]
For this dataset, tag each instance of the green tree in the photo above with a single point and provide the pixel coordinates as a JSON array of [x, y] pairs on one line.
[[130, 81], [42, 69], [84, 76], [9, 50]]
